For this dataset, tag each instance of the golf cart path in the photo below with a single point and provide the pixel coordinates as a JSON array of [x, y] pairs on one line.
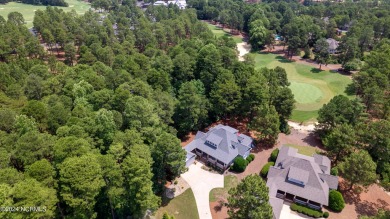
[[201, 183]]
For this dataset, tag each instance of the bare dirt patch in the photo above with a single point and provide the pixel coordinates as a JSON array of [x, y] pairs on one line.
[[218, 210], [368, 202]]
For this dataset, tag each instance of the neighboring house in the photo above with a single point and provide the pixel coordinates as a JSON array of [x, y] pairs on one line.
[[219, 146], [182, 4], [333, 45], [299, 178]]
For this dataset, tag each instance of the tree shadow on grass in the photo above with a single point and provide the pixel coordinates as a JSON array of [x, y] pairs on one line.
[[316, 70], [283, 59]]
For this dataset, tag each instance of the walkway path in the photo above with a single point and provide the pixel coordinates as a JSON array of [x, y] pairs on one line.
[[201, 183]]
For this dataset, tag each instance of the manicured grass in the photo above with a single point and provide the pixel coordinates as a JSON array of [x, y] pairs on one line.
[[218, 32], [28, 11], [311, 88], [181, 207], [304, 116], [229, 182], [305, 150]]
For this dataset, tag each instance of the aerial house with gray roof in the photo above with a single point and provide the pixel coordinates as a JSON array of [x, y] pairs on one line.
[[301, 179], [219, 146]]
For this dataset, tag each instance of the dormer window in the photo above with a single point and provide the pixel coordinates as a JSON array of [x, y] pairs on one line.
[[213, 140], [298, 176]]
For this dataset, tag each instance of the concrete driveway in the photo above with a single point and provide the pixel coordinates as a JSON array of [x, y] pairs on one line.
[[286, 213], [201, 183]]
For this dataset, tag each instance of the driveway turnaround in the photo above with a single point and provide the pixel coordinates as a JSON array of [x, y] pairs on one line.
[[201, 183]]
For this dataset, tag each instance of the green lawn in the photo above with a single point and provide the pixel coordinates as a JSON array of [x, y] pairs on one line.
[[181, 207], [305, 150], [229, 182], [218, 32], [28, 11], [311, 88]]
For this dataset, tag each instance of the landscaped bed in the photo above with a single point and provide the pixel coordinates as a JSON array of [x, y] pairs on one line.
[[308, 211]]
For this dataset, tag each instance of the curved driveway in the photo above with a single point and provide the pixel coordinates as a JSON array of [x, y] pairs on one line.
[[201, 183]]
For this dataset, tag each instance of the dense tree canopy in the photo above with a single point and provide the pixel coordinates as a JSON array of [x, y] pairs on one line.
[[249, 199]]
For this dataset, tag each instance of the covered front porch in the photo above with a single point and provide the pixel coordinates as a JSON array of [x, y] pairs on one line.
[[209, 160], [299, 200]]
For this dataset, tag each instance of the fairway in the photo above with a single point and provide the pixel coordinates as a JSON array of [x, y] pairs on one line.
[[218, 32], [28, 11], [311, 88]]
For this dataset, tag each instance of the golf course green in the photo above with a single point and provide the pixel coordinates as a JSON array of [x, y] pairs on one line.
[[311, 87], [218, 32], [28, 11]]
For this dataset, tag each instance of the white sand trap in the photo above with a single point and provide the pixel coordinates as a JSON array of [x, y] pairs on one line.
[[1, 8], [243, 48], [71, 6], [302, 128]]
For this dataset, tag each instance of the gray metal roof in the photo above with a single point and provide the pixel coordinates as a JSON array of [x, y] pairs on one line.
[[298, 174], [213, 138], [226, 139], [332, 181], [323, 161], [302, 168], [333, 44], [277, 205]]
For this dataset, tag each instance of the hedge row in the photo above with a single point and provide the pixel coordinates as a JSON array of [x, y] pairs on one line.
[[308, 211], [250, 158], [274, 155], [239, 164], [265, 169]]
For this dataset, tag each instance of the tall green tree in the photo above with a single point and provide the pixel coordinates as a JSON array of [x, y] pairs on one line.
[[321, 52], [358, 169], [138, 182], [249, 199], [340, 142], [192, 110], [169, 158], [339, 110], [81, 180], [225, 94], [266, 124]]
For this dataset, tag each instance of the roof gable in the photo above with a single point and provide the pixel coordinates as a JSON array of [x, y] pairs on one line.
[[301, 175]]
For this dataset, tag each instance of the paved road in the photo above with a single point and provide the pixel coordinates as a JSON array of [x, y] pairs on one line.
[[201, 183]]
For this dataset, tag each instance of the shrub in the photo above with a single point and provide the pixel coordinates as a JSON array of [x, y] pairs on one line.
[[239, 164], [326, 214], [353, 65], [336, 201], [307, 211], [274, 155], [334, 171], [249, 159], [252, 156], [265, 169]]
